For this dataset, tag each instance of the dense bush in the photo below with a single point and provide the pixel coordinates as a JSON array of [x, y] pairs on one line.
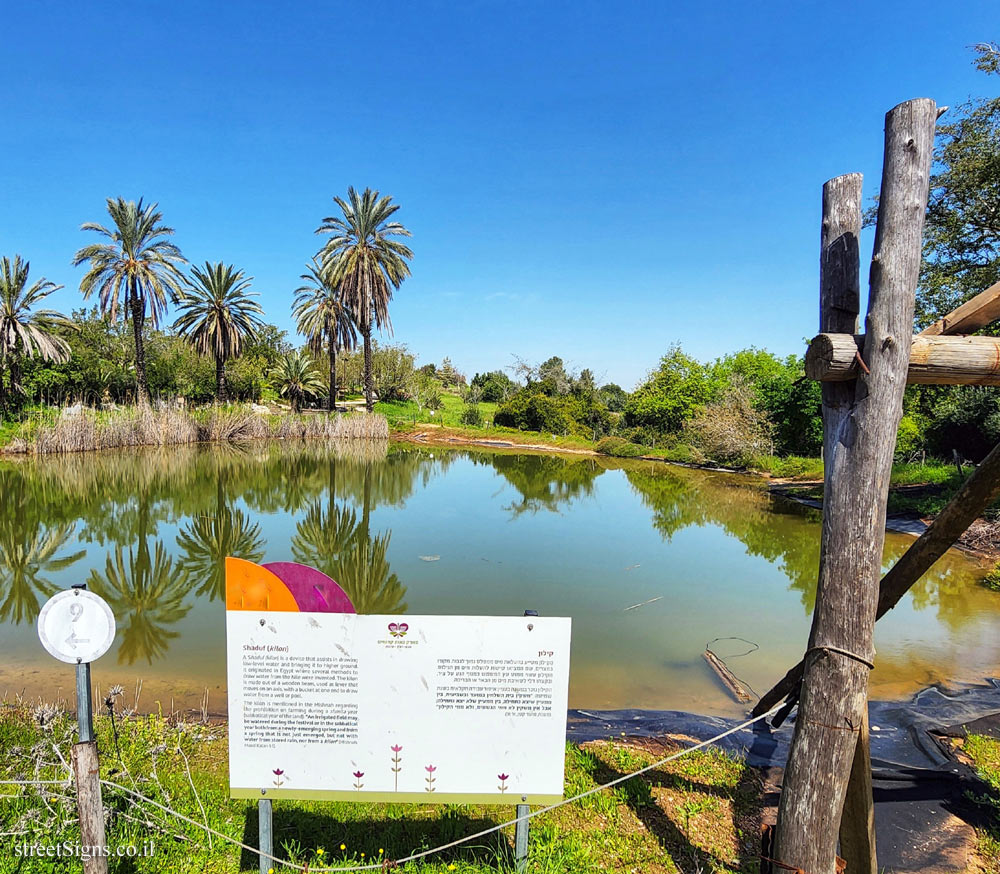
[[471, 415], [618, 447], [494, 386], [671, 394], [533, 411], [731, 430]]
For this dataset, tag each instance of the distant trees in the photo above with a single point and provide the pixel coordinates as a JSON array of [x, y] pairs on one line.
[[135, 273], [494, 386], [364, 260], [25, 330], [218, 316]]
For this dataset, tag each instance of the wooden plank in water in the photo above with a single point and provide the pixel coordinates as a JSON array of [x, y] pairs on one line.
[[728, 678]]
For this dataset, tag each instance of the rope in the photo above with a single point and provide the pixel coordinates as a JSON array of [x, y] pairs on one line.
[[381, 865], [843, 652]]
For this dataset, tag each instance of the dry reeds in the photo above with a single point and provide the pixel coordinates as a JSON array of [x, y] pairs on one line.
[[89, 429]]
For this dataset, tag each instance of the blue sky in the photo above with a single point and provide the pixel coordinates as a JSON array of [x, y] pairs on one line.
[[593, 180]]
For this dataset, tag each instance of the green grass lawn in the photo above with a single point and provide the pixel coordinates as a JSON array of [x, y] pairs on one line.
[[699, 812], [450, 414], [984, 753]]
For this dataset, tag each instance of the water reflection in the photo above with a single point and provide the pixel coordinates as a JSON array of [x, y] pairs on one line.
[[573, 535]]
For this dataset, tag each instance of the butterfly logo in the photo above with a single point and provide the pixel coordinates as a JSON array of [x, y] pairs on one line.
[[398, 629]]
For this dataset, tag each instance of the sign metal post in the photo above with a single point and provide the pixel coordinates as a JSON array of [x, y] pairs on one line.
[[265, 831]]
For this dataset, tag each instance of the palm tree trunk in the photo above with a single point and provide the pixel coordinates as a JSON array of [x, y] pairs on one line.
[[15, 378], [331, 351], [138, 317], [220, 379], [3, 388], [369, 382]]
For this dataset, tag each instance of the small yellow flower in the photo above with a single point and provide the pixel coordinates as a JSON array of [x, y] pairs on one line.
[[270, 871], [451, 867], [319, 852], [380, 851], [343, 846], [362, 855]]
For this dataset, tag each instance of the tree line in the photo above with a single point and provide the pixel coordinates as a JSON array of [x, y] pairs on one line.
[[135, 271]]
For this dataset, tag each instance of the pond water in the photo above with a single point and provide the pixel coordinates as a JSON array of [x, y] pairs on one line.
[[708, 556]]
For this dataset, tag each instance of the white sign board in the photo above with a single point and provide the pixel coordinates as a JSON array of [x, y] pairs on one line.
[[76, 626], [452, 709]]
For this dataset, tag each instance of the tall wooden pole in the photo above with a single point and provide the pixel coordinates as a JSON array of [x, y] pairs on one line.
[[840, 303], [859, 461]]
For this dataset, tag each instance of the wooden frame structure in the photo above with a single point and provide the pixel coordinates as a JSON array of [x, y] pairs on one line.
[[826, 795]]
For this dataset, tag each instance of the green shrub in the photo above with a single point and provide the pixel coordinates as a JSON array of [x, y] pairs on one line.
[[471, 415], [619, 448], [992, 579]]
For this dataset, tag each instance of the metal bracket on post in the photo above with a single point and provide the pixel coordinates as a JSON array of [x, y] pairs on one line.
[[265, 832], [521, 827]]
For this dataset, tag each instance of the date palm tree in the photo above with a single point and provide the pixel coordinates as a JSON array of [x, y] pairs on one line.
[[136, 272], [322, 316], [217, 315], [25, 330], [296, 379], [365, 263]]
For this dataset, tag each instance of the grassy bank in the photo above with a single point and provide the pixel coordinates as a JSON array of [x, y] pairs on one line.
[[698, 813], [51, 431], [983, 753]]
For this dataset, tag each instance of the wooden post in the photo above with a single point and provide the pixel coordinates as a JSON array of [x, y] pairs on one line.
[[840, 303], [840, 652], [857, 822], [87, 774]]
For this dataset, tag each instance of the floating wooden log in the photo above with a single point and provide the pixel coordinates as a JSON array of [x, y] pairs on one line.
[[728, 678], [934, 359]]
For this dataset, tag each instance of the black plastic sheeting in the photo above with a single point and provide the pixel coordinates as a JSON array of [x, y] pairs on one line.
[[902, 732]]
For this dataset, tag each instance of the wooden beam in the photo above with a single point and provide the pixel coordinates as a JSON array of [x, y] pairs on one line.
[[934, 359], [972, 315], [857, 822], [835, 680], [980, 490]]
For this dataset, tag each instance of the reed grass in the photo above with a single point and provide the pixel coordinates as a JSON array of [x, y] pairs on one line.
[[165, 425]]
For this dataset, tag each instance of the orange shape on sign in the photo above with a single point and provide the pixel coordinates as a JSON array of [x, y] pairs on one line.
[[251, 587]]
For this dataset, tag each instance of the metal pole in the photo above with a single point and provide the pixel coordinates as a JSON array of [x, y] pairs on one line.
[[266, 835], [521, 838], [84, 706], [521, 828]]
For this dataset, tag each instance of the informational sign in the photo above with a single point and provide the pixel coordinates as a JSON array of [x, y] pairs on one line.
[[451, 709], [76, 626]]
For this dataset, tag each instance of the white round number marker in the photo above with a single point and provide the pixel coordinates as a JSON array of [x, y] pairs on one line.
[[76, 626]]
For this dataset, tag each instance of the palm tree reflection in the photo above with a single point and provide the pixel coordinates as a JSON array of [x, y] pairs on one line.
[[26, 560], [146, 594]]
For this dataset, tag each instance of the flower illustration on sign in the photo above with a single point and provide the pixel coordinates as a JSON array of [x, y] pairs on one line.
[[357, 780], [278, 773], [398, 629], [396, 768], [503, 782], [429, 779]]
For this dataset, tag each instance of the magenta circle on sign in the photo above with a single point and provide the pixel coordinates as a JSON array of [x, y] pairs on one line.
[[313, 590]]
